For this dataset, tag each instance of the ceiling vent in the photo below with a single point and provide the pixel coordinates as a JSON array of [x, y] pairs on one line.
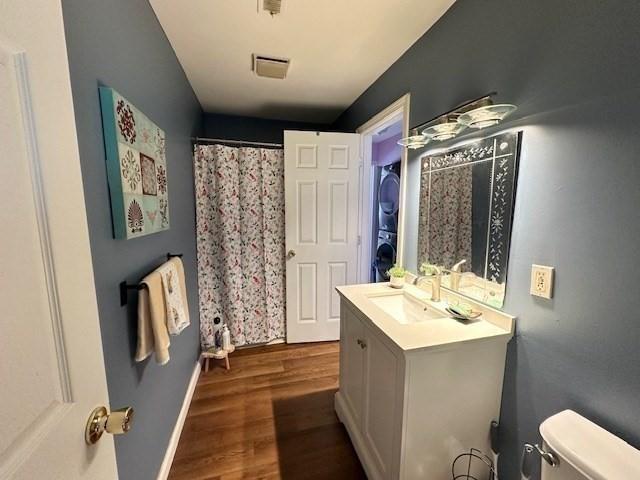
[[270, 67], [272, 6]]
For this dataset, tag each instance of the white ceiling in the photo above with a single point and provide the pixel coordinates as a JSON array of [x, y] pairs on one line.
[[337, 49]]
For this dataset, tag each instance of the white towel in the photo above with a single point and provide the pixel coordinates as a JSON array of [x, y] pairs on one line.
[[175, 295], [152, 321]]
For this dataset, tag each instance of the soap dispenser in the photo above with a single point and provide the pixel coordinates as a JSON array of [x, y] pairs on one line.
[[226, 338]]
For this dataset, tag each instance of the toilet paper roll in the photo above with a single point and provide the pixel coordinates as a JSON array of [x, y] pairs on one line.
[[119, 421]]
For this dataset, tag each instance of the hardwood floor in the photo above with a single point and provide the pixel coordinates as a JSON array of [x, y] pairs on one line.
[[270, 417]]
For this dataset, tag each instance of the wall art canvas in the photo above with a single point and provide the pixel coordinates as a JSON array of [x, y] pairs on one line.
[[136, 168]]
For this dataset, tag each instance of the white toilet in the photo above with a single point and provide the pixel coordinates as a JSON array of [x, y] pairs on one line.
[[584, 451]]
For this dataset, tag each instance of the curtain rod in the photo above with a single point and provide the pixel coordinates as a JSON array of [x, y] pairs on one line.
[[234, 142]]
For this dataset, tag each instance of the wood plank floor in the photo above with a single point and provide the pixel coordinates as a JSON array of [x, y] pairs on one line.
[[270, 417]]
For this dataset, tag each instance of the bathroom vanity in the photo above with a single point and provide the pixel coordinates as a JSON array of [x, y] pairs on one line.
[[417, 388]]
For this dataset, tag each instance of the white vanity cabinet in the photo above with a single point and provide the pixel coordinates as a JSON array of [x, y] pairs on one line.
[[352, 357], [410, 412], [371, 389]]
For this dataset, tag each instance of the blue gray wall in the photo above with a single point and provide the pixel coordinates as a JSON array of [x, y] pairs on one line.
[[119, 43], [233, 127], [572, 68]]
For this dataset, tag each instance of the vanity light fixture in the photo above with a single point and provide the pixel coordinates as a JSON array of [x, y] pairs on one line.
[[486, 116], [478, 113], [447, 129], [413, 141]]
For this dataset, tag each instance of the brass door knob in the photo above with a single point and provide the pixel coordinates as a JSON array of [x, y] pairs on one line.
[[115, 423], [291, 253]]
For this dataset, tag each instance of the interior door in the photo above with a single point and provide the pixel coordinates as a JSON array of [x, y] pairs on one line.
[[51, 367], [321, 214]]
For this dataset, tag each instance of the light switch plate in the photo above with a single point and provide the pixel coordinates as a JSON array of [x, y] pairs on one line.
[[541, 281]]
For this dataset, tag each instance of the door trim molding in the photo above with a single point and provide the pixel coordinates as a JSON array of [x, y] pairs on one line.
[[30, 439], [170, 453], [397, 108], [40, 206]]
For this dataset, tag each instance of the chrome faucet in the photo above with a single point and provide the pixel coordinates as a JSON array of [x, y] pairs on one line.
[[456, 275], [419, 278], [456, 267], [435, 284]]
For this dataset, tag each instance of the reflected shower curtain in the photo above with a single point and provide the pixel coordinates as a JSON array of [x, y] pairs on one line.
[[240, 242], [445, 232]]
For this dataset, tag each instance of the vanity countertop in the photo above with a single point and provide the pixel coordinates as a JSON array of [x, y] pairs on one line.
[[437, 333]]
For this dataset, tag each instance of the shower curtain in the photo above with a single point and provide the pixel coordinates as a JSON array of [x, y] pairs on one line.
[[240, 242], [445, 222]]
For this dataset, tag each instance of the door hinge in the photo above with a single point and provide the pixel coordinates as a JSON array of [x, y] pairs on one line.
[[359, 239]]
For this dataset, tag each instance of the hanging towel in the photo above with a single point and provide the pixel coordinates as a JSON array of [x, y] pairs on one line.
[[152, 320], [175, 298]]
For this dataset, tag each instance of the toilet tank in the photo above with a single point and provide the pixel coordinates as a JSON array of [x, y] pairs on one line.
[[586, 451]]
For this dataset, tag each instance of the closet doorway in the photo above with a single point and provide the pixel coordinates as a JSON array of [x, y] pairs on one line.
[[382, 193]]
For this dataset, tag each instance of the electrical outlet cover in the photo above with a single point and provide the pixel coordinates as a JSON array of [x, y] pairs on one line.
[[541, 281]]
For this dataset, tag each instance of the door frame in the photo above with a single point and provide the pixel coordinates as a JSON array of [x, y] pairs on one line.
[[398, 109]]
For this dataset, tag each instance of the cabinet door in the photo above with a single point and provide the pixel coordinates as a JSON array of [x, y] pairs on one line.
[[381, 402], [352, 362]]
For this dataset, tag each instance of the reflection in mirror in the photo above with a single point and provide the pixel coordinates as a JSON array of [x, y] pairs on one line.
[[465, 215]]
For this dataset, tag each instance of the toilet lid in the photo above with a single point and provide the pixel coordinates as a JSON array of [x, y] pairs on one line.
[[589, 448]]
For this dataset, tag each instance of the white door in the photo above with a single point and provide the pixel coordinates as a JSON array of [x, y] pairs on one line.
[[51, 363], [321, 214]]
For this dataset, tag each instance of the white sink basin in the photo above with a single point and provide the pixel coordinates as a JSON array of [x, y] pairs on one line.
[[405, 308]]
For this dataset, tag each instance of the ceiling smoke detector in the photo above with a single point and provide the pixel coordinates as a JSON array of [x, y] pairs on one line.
[[272, 6], [271, 67]]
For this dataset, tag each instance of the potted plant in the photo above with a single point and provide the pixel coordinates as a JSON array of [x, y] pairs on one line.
[[396, 275]]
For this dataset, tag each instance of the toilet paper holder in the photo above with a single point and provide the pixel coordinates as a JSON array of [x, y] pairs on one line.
[[100, 421]]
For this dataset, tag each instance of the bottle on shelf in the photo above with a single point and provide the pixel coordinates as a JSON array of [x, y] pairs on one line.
[[226, 338], [217, 333]]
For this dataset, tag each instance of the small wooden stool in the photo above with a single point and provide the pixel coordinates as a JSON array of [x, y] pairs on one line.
[[217, 355]]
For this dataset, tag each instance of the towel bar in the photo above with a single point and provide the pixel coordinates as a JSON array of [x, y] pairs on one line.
[[126, 287]]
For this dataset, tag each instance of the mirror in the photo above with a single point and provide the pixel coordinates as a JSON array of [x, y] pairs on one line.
[[465, 215]]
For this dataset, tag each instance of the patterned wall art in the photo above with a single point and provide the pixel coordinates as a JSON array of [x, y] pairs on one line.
[[136, 168]]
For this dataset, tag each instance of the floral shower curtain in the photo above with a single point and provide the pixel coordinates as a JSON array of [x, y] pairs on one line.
[[445, 222], [240, 237]]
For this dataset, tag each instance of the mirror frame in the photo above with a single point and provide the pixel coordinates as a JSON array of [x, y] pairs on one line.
[[501, 212]]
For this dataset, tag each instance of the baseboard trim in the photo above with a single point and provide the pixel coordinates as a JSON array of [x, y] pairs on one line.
[[177, 430]]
